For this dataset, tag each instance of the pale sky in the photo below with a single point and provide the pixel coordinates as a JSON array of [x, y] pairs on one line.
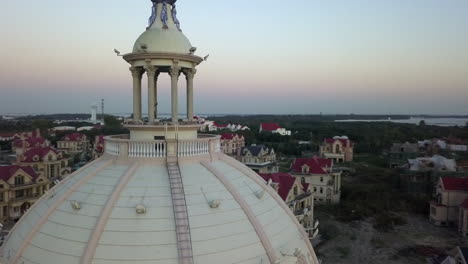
[[266, 57]]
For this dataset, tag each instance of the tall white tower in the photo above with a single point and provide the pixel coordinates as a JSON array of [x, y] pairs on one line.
[[94, 109]]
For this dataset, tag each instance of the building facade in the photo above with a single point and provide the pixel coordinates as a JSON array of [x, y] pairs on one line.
[[20, 188], [46, 162], [324, 181], [259, 158], [73, 144], [339, 149], [297, 195], [274, 128], [400, 153], [446, 208], [231, 144]]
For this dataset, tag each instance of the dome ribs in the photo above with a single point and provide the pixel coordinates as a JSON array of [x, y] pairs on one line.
[[179, 204], [106, 212], [256, 178], [55, 205], [247, 210]]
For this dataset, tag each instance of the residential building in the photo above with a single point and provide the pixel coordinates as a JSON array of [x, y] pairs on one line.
[[298, 196], [458, 255], [22, 145], [448, 206], [231, 144], [259, 158], [98, 147], [421, 174], [46, 162], [212, 126], [73, 144], [20, 188], [319, 173], [274, 128], [400, 153], [339, 149]]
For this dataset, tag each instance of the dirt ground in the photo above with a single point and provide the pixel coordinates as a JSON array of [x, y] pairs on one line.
[[359, 242]]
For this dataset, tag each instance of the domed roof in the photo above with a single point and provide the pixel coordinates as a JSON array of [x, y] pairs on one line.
[[116, 211], [163, 35]]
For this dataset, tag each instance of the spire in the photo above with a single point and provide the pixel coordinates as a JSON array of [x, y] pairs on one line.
[[161, 13]]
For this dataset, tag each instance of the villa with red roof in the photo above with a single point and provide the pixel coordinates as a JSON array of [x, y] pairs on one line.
[[20, 188], [297, 195], [98, 147], [231, 144], [274, 128], [73, 144], [450, 206], [319, 173], [339, 149], [23, 144], [46, 162]]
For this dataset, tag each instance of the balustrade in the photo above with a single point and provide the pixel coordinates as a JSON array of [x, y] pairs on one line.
[[125, 147]]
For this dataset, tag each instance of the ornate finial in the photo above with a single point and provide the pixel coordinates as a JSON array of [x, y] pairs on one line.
[[153, 16], [164, 15], [174, 17]]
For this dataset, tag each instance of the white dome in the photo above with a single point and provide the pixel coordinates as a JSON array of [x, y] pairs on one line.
[[121, 212], [160, 38]]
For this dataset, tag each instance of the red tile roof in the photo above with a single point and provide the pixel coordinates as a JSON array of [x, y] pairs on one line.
[[40, 152], [305, 186], [455, 184], [343, 141], [30, 142], [74, 137], [285, 182], [220, 126], [6, 172], [270, 126], [316, 165], [230, 136]]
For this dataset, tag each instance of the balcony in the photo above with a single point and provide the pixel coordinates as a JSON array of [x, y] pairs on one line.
[[124, 147], [25, 198]]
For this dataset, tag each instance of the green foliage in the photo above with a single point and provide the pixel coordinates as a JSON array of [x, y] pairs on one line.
[[422, 123], [344, 251], [112, 122], [43, 125], [385, 222], [329, 231]]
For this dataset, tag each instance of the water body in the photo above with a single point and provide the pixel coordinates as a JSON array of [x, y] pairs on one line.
[[445, 122]]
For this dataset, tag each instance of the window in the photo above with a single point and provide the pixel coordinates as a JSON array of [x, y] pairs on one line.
[[321, 190], [19, 180], [315, 189], [321, 179], [19, 194], [433, 211], [295, 190], [303, 180]]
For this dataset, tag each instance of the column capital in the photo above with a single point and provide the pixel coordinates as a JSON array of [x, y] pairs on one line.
[[137, 72], [190, 73], [151, 70], [174, 72]]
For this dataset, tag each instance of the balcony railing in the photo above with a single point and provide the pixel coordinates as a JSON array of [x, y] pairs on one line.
[[124, 147], [25, 198]]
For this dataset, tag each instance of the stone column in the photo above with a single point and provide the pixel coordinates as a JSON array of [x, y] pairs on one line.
[[151, 71], [189, 75], [156, 95], [137, 73], [175, 72]]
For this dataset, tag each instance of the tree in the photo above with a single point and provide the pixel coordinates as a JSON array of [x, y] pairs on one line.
[[43, 125], [112, 122], [422, 123]]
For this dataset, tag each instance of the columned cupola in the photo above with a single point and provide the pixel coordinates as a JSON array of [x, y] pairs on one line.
[[162, 49]]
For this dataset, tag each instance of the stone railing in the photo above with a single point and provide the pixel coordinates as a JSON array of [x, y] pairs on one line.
[[124, 147]]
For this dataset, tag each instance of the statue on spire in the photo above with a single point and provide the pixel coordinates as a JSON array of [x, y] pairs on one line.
[[154, 13], [174, 17]]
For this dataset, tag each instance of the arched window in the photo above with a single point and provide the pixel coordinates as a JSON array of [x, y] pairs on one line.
[[321, 190], [337, 148], [321, 179]]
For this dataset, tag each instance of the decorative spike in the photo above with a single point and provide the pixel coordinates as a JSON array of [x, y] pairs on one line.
[[174, 17], [164, 15]]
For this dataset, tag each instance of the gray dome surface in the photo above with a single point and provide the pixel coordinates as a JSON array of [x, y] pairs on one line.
[[93, 213]]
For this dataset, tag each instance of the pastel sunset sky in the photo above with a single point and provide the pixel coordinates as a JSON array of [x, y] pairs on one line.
[[266, 56]]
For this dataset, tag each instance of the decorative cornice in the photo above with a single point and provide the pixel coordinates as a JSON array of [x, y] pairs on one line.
[[131, 57]]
